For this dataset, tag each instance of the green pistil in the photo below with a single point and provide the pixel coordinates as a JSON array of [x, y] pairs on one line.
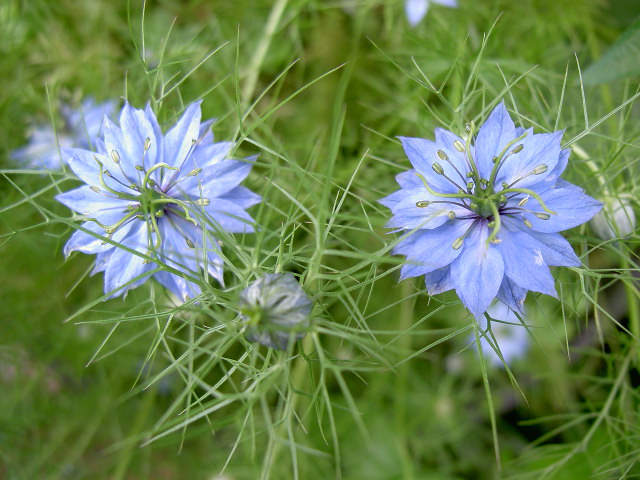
[[501, 158]]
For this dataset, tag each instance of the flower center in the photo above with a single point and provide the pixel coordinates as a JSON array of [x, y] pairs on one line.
[[482, 198]]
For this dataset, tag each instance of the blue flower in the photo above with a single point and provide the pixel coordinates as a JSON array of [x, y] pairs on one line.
[[484, 217], [417, 9], [166, 196], [80, 128], [512, 338], [276, 310]]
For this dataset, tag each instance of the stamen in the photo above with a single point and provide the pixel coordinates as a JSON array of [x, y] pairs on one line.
[[437, 168], [524, 201], [140, 168], [202, 202], [95, 189], [147, 144], [451, 215], [160, 213], [189, 243], [540, 169], [457, 144], [115, 156], [528, 223], [422, 204], [533, 194], [543, 216], [194, 172], [443, 155], [457, 243], [518, 149]]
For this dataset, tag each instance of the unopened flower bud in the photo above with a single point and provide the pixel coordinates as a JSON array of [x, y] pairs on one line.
[[276, 310], [617, 219]]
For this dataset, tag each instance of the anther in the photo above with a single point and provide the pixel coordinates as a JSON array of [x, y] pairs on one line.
[[140, 216], [505, 185], [135, 187], [469, 174], [437, 168], [152, 182], [95, 189], [160, 213], [147, 144], [140, 168], [495, 159], [470, 186], [451, 215], [422, 204], [518, 148], [491, 224], [108, 173], [540, 169], [524, 201], [502, 198], [194, 172], [115, 156], [202, 202], [543, 216], [458, 145], [457, 243], [474, 205], [484, 183], [190, 243], [495, 241], [442, 154], [528, 223]]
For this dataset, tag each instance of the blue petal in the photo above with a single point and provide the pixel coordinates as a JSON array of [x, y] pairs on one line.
[[423, 154], [524, 262], [477, 272], [87, 202], [214, 181], [572, 207], [496, 132], [409, 179], [407, 215], [438, 281], [242, 196], [512, 295], [179, 141], [429, 250], [85, 165], [229, 217], [556, 251], [415, 10], [539, 149], [124, 266]]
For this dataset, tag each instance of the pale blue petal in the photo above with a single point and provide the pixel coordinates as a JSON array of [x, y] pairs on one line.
[[423, 154], [415, 10], [179, 141], [85, 201], [572, 208], [429, 250], [524, 262], [409, 179], [512, 295], [556, 251], [242, 196], [408, 216], [85, 165], [124, 266], [493, 136], [477, 272], [438, 281], [538, 149], [229, 217], [213, 181]]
